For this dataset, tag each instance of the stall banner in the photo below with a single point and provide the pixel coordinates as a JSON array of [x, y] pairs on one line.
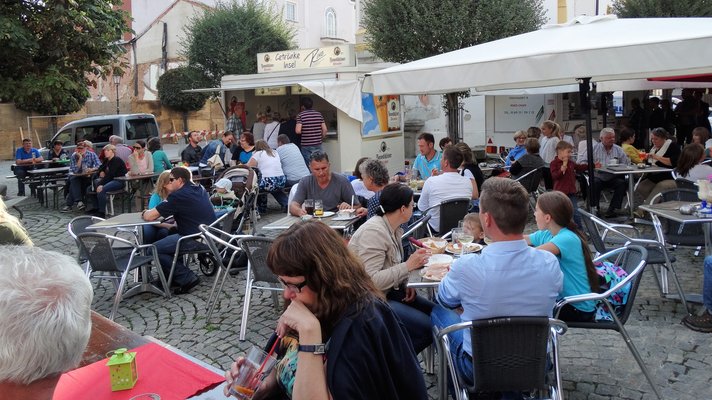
[[381, 115], [321, 57]]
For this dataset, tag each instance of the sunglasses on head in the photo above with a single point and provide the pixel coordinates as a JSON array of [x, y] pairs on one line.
[[172, 179]]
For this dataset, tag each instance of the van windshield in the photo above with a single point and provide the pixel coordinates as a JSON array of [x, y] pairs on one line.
[[141, 128]]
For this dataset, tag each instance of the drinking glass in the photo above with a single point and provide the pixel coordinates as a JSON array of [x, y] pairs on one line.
[[309, 206], [258, 364], [318, 208], [455, 234]]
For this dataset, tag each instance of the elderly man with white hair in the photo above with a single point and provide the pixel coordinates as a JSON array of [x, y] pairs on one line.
[[607, 152], [45, 320], [122, 150]]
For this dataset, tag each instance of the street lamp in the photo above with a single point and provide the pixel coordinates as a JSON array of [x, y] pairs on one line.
[[117, 80]]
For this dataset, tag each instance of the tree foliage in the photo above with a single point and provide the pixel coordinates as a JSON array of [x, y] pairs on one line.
[[172, 83], [661, 8], [226, 39], [408, 30], [51, 50]]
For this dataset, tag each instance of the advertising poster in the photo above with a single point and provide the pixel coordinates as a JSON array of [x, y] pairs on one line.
[[513, 113], [381, 115]]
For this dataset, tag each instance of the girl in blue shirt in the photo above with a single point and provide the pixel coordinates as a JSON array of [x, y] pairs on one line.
[[559, 235]]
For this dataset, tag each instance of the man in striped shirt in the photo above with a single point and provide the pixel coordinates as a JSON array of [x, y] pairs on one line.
[[311, 128]]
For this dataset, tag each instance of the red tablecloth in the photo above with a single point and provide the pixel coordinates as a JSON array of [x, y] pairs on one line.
[[160, 371]]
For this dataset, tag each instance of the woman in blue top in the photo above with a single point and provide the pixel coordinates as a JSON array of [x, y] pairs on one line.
[[519, 149], [160, 159], [559, 235], [153, 233]]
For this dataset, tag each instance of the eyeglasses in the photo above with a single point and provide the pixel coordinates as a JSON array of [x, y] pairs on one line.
[[317, 156], [295, 287], [137, 147]]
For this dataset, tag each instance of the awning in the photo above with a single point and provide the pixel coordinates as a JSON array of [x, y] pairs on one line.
[[344, 94]]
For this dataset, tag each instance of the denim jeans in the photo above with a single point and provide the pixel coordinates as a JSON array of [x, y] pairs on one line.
[[101, 196], [442, 317], [707, 284], [307, 152], [166, 248], [416, 319]]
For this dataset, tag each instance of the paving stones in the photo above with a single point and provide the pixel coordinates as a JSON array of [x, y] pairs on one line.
[[594, 364]]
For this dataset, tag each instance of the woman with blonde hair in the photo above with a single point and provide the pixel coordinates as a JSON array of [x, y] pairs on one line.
[[11, 229], [273, 178], [518, 150], [551, 132], [152, 233], [338, 338]]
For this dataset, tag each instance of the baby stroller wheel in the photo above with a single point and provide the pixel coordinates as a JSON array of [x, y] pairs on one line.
[[208, 264]]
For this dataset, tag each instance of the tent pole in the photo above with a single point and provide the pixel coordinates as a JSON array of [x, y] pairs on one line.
[[585, 95]]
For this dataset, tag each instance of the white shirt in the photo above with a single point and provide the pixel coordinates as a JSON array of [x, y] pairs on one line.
[[269, 166], [447, 186], [548, 149], [360, 189], [699, 171], [270, 134]]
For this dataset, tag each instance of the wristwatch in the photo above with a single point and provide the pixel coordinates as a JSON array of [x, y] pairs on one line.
[[318, 349]]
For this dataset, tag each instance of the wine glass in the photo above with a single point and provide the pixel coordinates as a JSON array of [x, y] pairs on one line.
[[465, 238], [455, 234]]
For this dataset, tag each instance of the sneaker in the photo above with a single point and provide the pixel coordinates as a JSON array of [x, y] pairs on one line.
[[66, 209], [699, 323], [80, 206]]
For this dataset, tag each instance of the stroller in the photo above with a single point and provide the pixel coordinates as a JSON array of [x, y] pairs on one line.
[[245, 186]]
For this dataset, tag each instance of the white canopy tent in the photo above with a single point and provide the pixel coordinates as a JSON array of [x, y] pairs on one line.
[[584, 50], [600, 48]]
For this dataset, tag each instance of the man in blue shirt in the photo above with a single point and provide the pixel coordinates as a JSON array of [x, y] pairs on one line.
[[429, 159], [81, 166], [222, 146], [507, 279], [26, 158], [190, 206]]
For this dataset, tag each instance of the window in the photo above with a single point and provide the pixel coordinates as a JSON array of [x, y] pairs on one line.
[[141, 129], [290, 11], [330, 23], [95, 133], [66, 136]]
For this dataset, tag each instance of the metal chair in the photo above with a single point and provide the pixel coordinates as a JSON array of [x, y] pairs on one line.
[[632, 259], [106, 263], [200, 250], [416, 227], [508, 354], [531, 181], [674, 233], [76, 226], [683, 183], [223, 246], [656, 254], [451, 212], [256, 249]]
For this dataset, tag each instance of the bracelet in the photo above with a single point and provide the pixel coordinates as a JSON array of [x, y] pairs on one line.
[[318, 349]]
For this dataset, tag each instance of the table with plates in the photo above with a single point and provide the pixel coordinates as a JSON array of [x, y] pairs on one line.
[[333, 221], [631, 171]]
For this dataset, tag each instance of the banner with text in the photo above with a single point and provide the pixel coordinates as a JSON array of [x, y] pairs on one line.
[[322, 57]]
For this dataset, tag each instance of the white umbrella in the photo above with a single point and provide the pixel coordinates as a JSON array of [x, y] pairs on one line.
[[600, 48], [587, 49]]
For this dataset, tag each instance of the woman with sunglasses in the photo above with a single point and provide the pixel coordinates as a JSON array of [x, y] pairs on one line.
[[339, 338], [141, 160]]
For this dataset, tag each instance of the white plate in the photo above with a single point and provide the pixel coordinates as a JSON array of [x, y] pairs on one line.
[[326, 214], [469, 248], [439, 259]]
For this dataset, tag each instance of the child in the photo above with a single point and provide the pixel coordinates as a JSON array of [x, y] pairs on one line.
[[563, 173], [223, 195], [473, 225], [558, 235]]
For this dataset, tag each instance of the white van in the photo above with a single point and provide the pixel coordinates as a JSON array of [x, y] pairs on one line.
[[130, 127]]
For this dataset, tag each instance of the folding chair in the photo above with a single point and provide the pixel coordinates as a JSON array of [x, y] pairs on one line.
[[256, 249], [99, 250], [656, 253], [632, 259], [508, 354], [224, 247]]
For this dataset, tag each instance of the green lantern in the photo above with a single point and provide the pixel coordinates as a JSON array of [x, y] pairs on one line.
[[122, 369]]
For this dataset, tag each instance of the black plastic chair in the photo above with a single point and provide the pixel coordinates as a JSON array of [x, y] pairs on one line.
[[632, 259], [452, 211], [508, 354], [683, 183], [531, 181]]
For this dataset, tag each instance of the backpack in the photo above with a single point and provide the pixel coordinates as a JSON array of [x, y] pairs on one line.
[[610, 275]]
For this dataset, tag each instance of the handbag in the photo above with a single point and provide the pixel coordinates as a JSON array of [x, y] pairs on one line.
[[215, 161]]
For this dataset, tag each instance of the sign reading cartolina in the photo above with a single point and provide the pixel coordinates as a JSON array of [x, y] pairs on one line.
[[321, 57]]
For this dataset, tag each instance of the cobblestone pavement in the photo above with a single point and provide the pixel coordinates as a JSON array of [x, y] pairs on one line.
[[595, 364]]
